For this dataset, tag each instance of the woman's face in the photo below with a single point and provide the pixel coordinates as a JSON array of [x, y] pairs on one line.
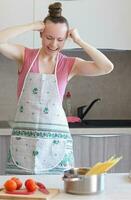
[[53, 37]]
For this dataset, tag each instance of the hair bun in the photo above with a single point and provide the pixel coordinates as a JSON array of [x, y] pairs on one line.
[[55, 9]]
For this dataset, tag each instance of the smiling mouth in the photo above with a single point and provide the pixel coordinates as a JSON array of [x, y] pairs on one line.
[[52, 49]]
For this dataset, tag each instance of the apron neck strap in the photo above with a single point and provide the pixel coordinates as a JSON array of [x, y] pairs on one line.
[[27, 74]]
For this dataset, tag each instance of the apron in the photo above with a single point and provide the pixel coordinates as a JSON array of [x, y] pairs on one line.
[[40, 140]]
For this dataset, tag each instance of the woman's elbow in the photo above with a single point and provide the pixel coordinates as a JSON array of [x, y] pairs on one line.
[[109, 68]]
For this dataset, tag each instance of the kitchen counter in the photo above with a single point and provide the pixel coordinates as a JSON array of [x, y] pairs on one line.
[[89, 124], [103, 127], [90, 127], [102, 123], [117, 186]]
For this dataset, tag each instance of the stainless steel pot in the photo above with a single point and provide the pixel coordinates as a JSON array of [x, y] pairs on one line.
[[76, 182]]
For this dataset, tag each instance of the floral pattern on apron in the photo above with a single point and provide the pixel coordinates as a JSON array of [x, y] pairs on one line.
[[40, 140]]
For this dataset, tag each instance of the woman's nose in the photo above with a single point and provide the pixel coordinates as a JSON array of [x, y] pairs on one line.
[[54, 43]]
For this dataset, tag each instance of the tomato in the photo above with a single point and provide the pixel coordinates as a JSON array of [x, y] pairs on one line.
[[18, 182], [10, 185], [30, 185]]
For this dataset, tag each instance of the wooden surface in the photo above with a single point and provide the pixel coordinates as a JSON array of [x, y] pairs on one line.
[[36, 196]]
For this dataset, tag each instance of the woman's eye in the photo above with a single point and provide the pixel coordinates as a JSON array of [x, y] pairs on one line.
[[60, 40], [48, 38]]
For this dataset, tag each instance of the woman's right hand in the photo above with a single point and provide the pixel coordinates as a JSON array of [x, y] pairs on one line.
[[38, 26]]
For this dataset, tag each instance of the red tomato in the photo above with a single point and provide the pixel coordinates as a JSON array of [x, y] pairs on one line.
[[30, 185], [10, 185], [18, 182]]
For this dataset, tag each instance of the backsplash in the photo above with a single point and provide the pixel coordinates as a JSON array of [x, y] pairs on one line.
[[8, 88], [113, 89]]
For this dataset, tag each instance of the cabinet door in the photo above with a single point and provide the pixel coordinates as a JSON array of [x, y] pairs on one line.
[[4, 147], [16, 12], [125, 151], [90, 149]]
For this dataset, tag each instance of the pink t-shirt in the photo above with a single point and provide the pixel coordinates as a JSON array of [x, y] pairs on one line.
[[64, 67]]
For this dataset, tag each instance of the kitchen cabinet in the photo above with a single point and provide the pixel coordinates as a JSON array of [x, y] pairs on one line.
[[16, 12], [4, 147], [89, 149]]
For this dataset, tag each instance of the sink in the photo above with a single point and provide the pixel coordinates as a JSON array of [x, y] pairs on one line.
[[101, 124]]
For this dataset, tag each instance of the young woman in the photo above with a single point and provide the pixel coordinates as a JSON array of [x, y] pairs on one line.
[[41, 141]]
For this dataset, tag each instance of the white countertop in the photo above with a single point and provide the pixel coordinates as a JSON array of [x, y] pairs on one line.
[[98, 131], [84, 131], [117, 186]]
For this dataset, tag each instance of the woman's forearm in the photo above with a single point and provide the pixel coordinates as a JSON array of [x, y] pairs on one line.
[[11, 32], [99, 58]]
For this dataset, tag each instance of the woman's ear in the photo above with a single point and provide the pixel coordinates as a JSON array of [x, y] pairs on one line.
[[67, 34]]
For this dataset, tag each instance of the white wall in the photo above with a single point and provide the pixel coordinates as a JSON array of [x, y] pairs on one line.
[[16, 12], [102, 23]]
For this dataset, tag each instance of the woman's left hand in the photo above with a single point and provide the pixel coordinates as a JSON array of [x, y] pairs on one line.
[[74, 35]]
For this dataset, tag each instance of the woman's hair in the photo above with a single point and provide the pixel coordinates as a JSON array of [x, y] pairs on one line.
[[54, 15]]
